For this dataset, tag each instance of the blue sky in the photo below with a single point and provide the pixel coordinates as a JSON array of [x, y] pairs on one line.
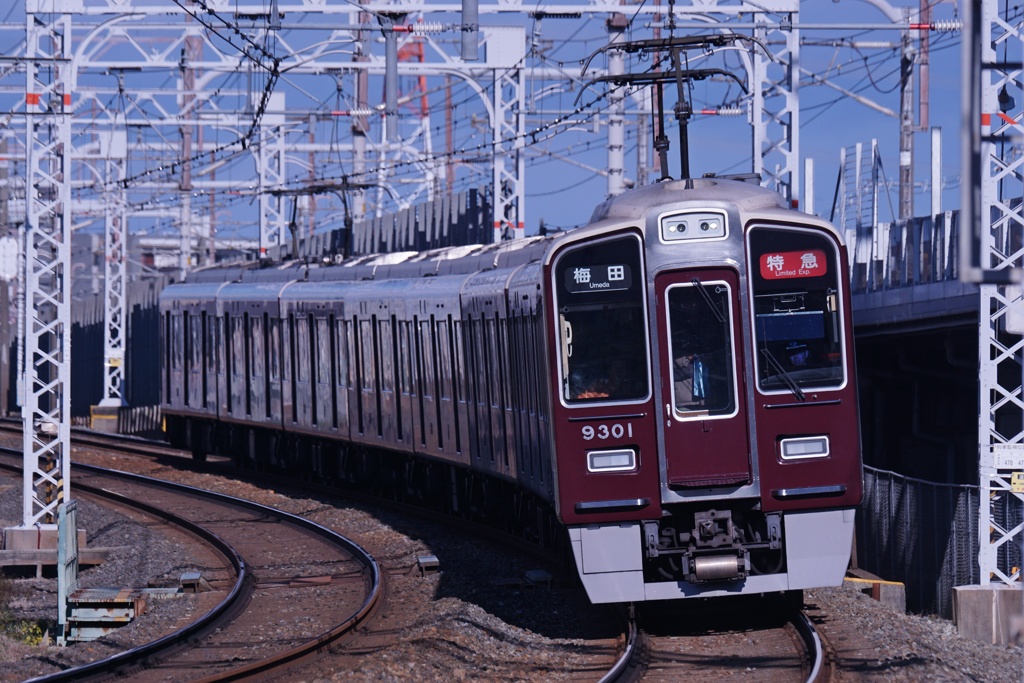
[[829, 120], [562, 181]]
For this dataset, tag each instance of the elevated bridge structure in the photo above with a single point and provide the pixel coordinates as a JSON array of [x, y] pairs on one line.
[[906, 275], [940, 372]]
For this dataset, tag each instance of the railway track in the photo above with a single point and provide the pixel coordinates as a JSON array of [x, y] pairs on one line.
[[780, 647], [277, 609], [771, 650]]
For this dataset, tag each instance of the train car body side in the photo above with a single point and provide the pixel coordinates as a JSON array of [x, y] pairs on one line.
[[675, 382]]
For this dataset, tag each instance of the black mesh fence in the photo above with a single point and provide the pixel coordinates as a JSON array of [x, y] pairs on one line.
[[925, 535]]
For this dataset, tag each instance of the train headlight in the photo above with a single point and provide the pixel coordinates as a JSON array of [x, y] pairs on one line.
[[804, 447], [693, 225], [620, 460]]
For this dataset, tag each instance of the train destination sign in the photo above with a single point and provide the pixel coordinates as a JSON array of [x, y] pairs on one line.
[[788, 264], [598, 278]]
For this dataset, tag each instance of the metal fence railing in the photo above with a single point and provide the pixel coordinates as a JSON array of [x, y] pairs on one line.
[[926, 536], [910, 253]]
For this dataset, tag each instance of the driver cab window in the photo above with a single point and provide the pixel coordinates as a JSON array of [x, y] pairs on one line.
[[797, 317], [602, 324]]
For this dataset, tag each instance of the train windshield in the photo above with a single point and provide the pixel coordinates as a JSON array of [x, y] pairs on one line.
[[700, 344], [797, 316], [602, 324]]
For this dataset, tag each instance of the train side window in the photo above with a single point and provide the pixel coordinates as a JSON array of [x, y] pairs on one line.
[[316, 357], [186, 361], [291, 367], [344, 347], [274, 348], [224, 343], [367, 373], [205, 354], [444, 358], [239, 348], [195, 341], [167, 342], [256, 353], [602, 322], [357, 369], [701, 347], [385, 339], [426, 355], [176, 342], [798, 319], [458, 392], [324, 343], [249, 331], [331, 332], [267, 364], [438, 370], [377, 374], [302, 345], [404, 358]]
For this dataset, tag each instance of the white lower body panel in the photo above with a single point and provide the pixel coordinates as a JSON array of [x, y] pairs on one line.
[[609, 559]]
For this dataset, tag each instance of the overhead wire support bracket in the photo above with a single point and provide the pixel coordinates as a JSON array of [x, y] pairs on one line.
[[672, 43], [683, 110]]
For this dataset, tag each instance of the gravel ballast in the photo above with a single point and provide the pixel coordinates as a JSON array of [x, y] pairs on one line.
[[475, 619]]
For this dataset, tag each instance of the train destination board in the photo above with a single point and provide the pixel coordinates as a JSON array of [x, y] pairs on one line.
[[787, 264], [598, 278]]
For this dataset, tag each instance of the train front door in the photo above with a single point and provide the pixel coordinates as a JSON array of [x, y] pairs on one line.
[[706, 438]]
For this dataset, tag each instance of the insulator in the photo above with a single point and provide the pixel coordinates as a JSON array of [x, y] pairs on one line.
[[947, 26], [723, 111], [353, 112], [428, 27]]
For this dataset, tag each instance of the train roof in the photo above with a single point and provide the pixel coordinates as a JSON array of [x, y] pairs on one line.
[[461, 260], [636, 204]]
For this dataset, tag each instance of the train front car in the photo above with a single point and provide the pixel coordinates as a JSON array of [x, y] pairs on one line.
[[705, 411]]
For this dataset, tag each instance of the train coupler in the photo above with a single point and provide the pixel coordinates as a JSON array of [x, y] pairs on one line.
[[733, 566]]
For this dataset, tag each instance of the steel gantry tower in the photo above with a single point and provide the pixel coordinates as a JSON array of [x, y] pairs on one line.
[[46, 411], [993, 255]]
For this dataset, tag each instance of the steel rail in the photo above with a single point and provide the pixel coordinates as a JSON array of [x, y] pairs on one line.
[[812, 642], [233, 603], [625, 661]]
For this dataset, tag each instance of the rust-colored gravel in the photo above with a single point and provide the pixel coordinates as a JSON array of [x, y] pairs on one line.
[[473, 620]]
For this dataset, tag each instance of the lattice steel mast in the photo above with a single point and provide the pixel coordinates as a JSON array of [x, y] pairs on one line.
[[46, 412], [993, 254]]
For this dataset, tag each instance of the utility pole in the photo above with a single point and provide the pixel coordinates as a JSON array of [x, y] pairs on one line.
[[907, 58], [616, 111]]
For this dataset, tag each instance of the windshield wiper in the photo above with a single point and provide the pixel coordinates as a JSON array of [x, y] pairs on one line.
[[786, 378], [707, 299]]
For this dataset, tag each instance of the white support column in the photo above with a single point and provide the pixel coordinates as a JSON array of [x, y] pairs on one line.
[[775, 111], [115, 330], [809, 185], [46, 412], [509, 128], [993, 252], [616, 111], [270, 160]]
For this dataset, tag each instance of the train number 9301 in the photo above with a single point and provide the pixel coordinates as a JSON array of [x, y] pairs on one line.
[[615, 430]]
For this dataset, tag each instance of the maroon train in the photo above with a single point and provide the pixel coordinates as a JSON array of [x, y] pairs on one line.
[[673, 382]]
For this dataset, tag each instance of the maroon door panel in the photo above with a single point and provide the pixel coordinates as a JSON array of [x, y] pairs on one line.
[[706, 436]]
